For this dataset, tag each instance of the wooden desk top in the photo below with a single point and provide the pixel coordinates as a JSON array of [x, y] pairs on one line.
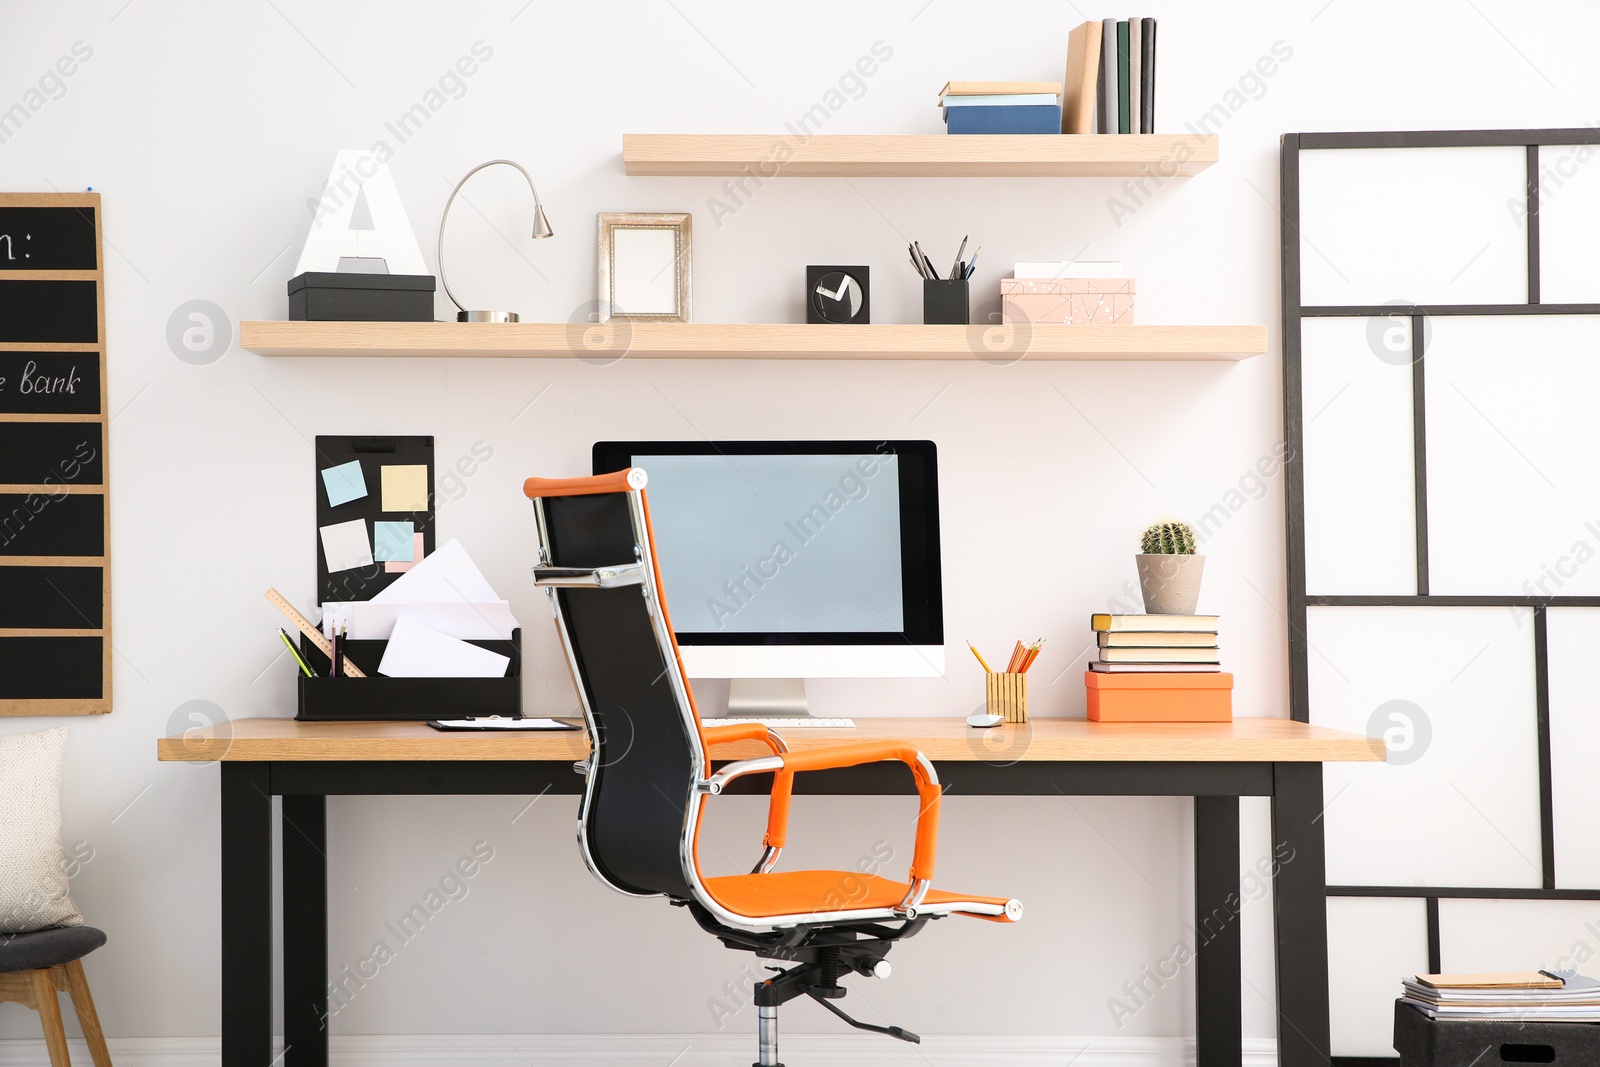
[[948, 738]]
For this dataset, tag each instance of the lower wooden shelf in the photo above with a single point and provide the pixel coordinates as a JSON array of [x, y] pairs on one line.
[[658, 340]]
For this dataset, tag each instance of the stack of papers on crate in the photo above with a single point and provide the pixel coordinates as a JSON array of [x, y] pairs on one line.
[[428, 616], [1535, 996]]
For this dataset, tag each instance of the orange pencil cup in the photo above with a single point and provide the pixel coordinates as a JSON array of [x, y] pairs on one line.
[[1008, 695]]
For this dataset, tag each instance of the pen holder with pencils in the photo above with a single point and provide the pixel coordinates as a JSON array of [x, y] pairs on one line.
[[1007, 694], [946, 302]]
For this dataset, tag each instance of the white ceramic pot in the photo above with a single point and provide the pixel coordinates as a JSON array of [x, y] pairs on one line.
[[1170, 583]]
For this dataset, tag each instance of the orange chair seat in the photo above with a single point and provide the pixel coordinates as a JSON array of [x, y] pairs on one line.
[[761, 896]]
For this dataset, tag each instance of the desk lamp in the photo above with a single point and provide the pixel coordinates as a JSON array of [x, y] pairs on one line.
[[541, 229]]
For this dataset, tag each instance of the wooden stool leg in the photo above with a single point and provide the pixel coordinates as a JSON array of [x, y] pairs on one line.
[[44, 998], [88, 1018]]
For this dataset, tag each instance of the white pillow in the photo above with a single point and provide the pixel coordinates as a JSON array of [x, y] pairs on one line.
[[33, 869]]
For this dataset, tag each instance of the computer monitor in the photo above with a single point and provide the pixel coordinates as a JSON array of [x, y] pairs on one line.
[[787, 560]]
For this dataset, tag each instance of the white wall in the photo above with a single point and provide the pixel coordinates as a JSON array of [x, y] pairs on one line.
[[208, 127]]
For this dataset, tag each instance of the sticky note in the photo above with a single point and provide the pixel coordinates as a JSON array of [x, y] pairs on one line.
[[392, 541], [344, 483], [417, 552], [345, 546], [405, 488]]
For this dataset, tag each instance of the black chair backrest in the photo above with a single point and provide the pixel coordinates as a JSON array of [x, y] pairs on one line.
[[647, 753]]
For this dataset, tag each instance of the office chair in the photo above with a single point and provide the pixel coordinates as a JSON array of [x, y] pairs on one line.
[[649, 772]]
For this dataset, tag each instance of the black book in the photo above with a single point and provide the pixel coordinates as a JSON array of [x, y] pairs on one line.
[[1147, 74]]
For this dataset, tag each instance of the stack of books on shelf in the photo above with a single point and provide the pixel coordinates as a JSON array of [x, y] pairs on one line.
[[1157, 668], [1534, 997], [1111, 77], [1001, 107]]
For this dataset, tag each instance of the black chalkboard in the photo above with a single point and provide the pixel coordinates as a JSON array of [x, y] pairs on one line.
[[33, 311], [52, 668], [48, 238], [50, 383], [55, 578], [41, 524], [50, 453], [51, 598]]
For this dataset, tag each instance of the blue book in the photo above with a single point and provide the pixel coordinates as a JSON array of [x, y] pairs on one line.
[[1038, 118]]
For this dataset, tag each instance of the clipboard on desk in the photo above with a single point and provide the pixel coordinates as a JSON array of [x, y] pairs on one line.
[[495, 723]]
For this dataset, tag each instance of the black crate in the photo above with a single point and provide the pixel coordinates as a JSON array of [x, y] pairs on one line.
[[379, 699], [325, 296], [1425, 1042]]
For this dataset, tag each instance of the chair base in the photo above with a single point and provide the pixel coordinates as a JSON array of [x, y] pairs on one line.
[[822, 955], [39, 990]]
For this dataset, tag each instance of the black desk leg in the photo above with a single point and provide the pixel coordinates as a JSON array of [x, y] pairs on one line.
[[1219, 1027], [305, 931], [246, 915], [1300, 891]]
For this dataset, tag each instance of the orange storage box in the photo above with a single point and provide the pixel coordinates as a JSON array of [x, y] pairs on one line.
[[1159, 697]]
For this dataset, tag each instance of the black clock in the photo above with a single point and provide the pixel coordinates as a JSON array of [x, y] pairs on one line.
[[837, 294]]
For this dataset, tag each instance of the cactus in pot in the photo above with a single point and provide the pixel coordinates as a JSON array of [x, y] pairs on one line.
[[1169, 570]]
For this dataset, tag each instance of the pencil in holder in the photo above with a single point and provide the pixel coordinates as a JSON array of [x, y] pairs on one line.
[[946, 302], [1008, 695]]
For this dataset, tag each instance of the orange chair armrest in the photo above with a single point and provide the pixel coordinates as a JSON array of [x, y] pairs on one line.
[[928, 788], [782, 782]]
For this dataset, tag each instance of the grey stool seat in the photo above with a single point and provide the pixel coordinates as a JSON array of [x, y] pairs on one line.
[[35, 968], [46, 948]]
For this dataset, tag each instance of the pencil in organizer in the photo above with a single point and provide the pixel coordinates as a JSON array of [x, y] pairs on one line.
[[981, 660]]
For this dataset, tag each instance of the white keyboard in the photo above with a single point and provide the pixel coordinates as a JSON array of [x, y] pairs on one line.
[[784, 724]]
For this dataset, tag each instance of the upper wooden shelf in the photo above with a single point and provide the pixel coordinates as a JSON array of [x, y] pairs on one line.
[[1065, 155], [671, 340]]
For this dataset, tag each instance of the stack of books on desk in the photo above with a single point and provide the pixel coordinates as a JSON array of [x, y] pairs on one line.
[[1537, 996], [1001, 107], [1157, 668], [1156, 644]]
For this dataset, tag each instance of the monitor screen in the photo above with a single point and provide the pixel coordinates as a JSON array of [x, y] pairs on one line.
[[793, 542]]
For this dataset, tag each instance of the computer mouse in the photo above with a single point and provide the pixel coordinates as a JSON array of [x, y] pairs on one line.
[[982, 719]]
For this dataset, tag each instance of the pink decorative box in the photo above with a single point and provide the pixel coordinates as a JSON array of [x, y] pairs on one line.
[[1067, 301]]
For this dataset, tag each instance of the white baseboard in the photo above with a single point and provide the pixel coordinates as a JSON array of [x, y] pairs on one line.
[[676, 1050]]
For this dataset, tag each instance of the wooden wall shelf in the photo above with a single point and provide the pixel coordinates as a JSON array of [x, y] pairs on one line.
[[1081, 155], [657, 340]]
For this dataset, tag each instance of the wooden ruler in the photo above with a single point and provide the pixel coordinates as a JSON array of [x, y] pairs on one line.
[[304, 626]]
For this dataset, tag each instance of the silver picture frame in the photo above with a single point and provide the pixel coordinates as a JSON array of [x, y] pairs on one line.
[[644, 266]]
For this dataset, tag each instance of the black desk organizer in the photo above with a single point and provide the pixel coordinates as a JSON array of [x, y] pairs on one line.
[[1425, 1042], [379, 699]]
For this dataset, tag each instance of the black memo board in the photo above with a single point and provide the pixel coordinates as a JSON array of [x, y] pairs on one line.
[[55, 532], [373, 453]]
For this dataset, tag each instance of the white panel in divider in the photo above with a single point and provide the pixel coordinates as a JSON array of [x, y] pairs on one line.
[[1478, 936], [1569, 224], [1373, 942], [1452, 689], [1574, 637], [1513, 482], [1359, 492], [1418, 225]]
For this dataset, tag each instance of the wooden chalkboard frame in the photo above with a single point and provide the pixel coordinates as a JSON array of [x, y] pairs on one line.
[[75, 705]]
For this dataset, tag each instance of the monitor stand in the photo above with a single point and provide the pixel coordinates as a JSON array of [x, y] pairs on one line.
[[767, 698]]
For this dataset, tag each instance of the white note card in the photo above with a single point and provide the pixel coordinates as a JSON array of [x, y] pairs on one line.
[[345, 545], [414, 651]]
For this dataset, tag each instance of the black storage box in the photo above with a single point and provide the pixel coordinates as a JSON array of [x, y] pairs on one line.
[[379, 699], [946, 301], [1425, 1042], [322, 296]]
